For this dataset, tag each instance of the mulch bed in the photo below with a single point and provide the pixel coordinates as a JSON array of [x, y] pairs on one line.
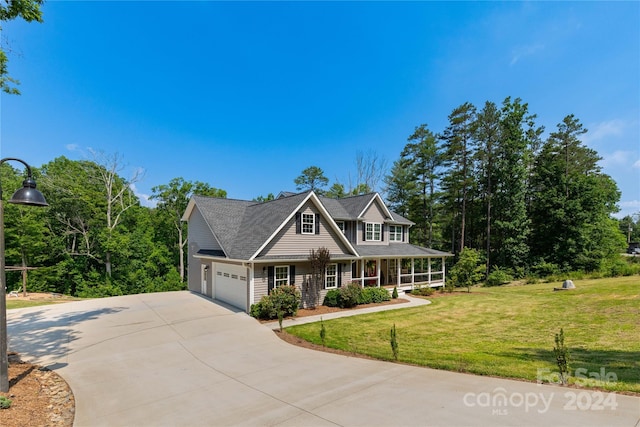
[[39, 397]]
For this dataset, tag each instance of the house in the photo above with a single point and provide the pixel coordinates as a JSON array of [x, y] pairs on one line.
[[239, 250]]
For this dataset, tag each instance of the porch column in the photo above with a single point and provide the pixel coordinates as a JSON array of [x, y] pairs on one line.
[[399, 268], [413, 272], [443, 272], [429, 270], [252, 284], [378, 269], [362, 263]]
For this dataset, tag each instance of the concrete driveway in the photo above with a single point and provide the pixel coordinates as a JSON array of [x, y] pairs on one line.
[[177, 359]]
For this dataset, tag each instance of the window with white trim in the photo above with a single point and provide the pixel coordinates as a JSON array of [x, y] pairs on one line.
[[331, 277], [342, 226], [281, 276], [395, 233], [373, 231], [308, 223]]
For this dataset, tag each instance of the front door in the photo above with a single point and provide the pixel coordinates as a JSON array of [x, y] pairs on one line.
[[392, 272]]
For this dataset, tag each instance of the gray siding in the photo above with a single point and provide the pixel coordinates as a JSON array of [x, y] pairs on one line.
[[200, 233], [287, 242], [199, 237], [193, 268], [260, 283], [303, 271], [373, 214]]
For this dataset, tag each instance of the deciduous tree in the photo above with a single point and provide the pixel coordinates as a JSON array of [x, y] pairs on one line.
[[173, 199], [29, 10]]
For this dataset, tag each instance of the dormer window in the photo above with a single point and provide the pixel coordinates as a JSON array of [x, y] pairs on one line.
[[308, 223], [395, 233], [342, 226], [373, 231]]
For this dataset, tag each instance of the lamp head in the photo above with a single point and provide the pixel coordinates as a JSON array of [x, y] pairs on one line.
[[28, 195]]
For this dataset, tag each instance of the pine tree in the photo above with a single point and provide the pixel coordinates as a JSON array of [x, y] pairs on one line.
[[573, 203], [458, 181]]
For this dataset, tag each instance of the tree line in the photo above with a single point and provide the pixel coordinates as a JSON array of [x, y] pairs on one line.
[[487, 182], [491, 183], [95, 239]]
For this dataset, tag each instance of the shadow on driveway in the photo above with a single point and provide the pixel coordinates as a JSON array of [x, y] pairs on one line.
[[46, 333]]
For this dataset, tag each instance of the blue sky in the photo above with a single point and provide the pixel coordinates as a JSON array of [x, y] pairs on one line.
[[244, 96]]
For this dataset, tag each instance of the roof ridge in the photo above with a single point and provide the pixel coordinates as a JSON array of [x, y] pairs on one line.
[[223, 198], [372, 193], [284, 198]]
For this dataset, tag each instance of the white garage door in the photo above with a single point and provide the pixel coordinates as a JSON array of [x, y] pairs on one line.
[[230, 284]]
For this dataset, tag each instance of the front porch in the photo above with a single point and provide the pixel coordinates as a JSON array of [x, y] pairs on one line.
[[404, 273]]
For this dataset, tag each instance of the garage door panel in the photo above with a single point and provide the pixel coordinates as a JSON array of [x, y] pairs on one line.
[[230, 285]]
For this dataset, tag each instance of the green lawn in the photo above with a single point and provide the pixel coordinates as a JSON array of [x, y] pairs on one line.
[[11, 304], [508, 331]]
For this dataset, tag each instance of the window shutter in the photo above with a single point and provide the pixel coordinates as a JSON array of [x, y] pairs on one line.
[[292, 274], [339, 275], [364, 231], [382, 232], [317, 223], [271, 278], [298, 223]]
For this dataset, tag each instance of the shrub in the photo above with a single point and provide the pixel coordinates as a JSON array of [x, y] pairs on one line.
[[5, 402], [350, 295], [618, 267], [263, 309], [561, 352], [498, 277], [373, 295], [423, 291], [394, 295], [284, 299], [468, 270], [394, 342], [323, 333], [449, 286], [545, 269], [532, 280], [332, 298]]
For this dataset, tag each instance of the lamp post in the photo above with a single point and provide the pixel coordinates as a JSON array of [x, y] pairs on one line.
[[27, 195]]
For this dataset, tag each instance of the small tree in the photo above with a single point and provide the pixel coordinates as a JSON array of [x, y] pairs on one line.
[[561, 353], [394, 342], [280, 318], [319, 259], [323, 332], [468, 270]]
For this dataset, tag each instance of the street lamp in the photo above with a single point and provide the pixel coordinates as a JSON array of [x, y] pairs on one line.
[[27, 195]]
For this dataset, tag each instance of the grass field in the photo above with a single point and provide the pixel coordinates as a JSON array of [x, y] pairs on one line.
[[37, 300], [509, 332]]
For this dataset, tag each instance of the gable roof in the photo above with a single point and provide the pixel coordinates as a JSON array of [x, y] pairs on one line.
[[220, 214], [352, 208], [244, 228]]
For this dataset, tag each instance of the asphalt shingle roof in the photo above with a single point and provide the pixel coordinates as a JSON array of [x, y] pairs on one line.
[[242, 226], [397, 250]]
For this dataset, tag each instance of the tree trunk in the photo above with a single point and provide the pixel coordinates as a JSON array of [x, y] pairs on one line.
[[107, 263]]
